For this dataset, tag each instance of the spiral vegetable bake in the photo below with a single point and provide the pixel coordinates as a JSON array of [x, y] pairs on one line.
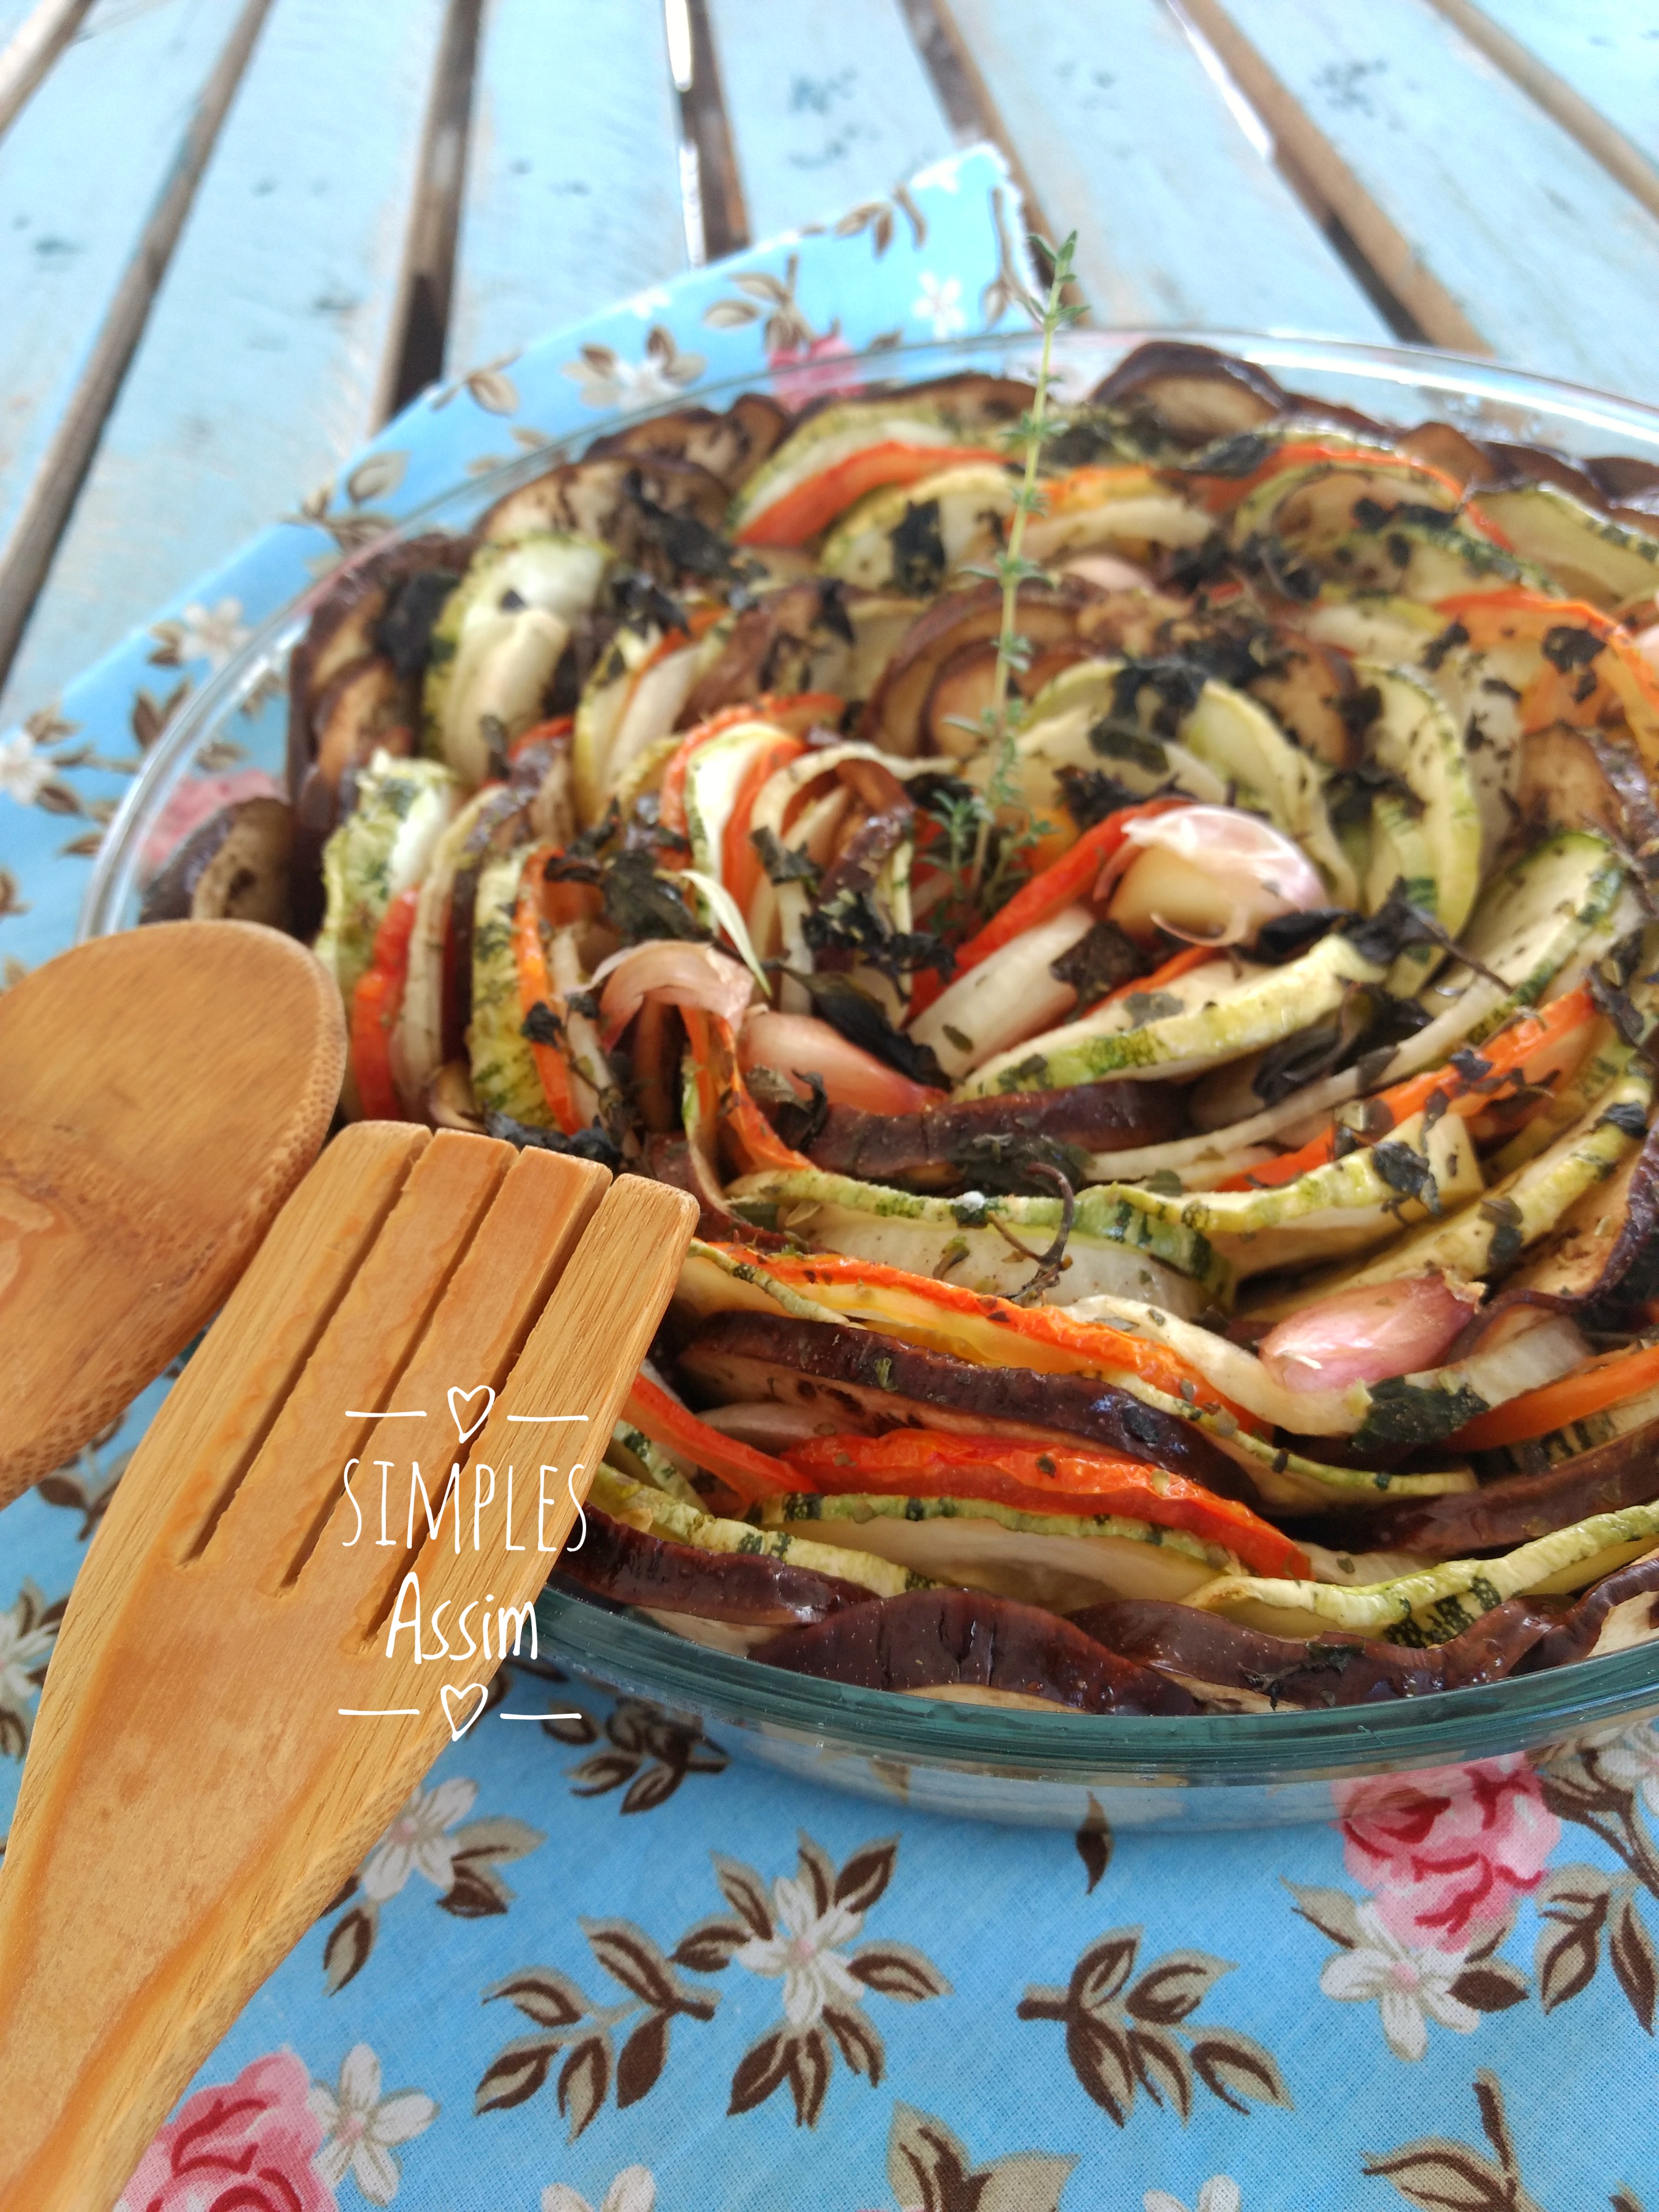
[[1134, 918]]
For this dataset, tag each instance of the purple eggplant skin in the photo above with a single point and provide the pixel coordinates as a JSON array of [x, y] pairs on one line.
[[632, 1568], [939, 1639], [1573, 1637], [870, 1383], [1203, 1648], [1501, 1515], [1095, 1117]]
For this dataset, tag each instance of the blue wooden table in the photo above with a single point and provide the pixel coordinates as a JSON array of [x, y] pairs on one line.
[[237, 235]]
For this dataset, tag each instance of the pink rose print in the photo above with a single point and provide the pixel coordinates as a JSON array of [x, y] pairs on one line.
[[244, 2146], [1447, 1851], [797, 385]]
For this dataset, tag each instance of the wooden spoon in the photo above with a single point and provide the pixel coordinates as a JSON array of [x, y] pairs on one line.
[[162, 1092], [223, 1735]]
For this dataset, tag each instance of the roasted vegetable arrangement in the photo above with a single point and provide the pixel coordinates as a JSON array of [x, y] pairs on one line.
[[1137, 926]]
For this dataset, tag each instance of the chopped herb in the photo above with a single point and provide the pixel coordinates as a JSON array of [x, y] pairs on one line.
[[586, 1145], [1143, 1006], [583, 1002], [1088, 795], [918, 546], [1402, 1411], [848, 921], [1296, 1061], [639, 903], [858, 1018], [782, 863], [1470, 1065], [1627, 1117], [404, 633], [541, 1026], [1103, 958], [1407, 1172], [1508, 1233], [1454, 633], [1568, 647], [1115, 740]]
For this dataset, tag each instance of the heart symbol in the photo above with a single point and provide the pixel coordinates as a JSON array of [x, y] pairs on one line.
[[461, 1697], [483, 1391]]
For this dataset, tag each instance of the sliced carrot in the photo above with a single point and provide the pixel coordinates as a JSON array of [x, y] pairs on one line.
[[1620, 676], [1046, 1338], [375, 1003], [536, 989], [740, 864], [811, 507], [726, 1099], [1041, 1479], [1465, 1096], [753, 1475], [1589, 1389]]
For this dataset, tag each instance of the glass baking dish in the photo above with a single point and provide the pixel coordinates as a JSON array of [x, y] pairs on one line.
[[1013, 1766]]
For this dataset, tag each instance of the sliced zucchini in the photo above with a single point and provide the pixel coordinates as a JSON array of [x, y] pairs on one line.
[[1529, 922], [632, 1453], [1314, 505], [1590, 556], [1061, 1561], [1216, 1012], [1418, 561], [1131, 511], [834, 435], [913, 538], [381, 849], [503, 633], [657, 1513], [1438, 1602], [713, 778], [1371, 625], [1119, 1242], [504, 1077], [1414, 737]]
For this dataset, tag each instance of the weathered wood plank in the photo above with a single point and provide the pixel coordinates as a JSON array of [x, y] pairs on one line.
[[263, 360], [1543, 255], [557, 221], [1597, 72], [83, 242], [837, 111], [1129, 140], [32, 32]]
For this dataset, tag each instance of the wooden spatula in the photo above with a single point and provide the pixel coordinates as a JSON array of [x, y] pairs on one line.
[[222, 1735], [160, 1094]]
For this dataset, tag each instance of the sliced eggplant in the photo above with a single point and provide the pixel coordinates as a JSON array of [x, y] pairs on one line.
[[1191, 393], [773, 645], [894, 718], [1246, 1669], [642, 1506], [731, 445], [1518, 1508], [631, 1567], [869, 1383], [366, 709], [941, 1640], [956, 1143], [1621, 1612], [659, 515], [234, 867]]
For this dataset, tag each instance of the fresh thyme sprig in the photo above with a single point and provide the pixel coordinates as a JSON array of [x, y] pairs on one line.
[[1011, 567]]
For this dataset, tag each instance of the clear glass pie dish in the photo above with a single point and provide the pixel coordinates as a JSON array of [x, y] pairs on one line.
[[1020, 1764]]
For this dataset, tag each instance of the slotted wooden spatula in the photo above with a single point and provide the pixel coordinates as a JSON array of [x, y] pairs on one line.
[[222, 1735]]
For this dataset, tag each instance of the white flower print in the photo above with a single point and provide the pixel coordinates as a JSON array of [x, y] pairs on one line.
[[805, 1953], [632, 2191], [27, 1628], [359, 2126], [944, 176], [1410, 1987], [418, 1840], [1220, 2193], [1633, 1758], [24, 772], [651, 301], [211, 633], [938, 301]]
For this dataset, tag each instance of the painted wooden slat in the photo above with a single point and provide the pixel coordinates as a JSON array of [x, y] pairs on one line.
[[1596, 70], [95, 177], [838, 110], [560, 218], [1550, 262], [263, 360], [1127, 139]]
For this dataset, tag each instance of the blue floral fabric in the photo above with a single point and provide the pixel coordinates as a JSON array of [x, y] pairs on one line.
[[605, 1963]]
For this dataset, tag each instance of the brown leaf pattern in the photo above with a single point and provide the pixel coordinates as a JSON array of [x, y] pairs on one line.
[[647, 1751], [1126, 2031]]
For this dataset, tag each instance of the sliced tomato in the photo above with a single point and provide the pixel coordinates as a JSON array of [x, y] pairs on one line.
[[991, 1331], [1041, 1479], [1589, 1389], [812, 506], [560, 727], [752, 1474], [1507, 1058], [740, 864], [374, 1007], [536, 989], [795, 712]]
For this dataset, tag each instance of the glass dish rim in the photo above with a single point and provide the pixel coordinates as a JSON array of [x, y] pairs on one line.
[[1229, 1748]]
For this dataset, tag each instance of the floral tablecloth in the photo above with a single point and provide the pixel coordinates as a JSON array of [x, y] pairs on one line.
[[610, 1967]]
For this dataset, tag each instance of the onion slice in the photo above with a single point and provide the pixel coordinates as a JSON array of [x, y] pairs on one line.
[[675, 973], [800, 1045]]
